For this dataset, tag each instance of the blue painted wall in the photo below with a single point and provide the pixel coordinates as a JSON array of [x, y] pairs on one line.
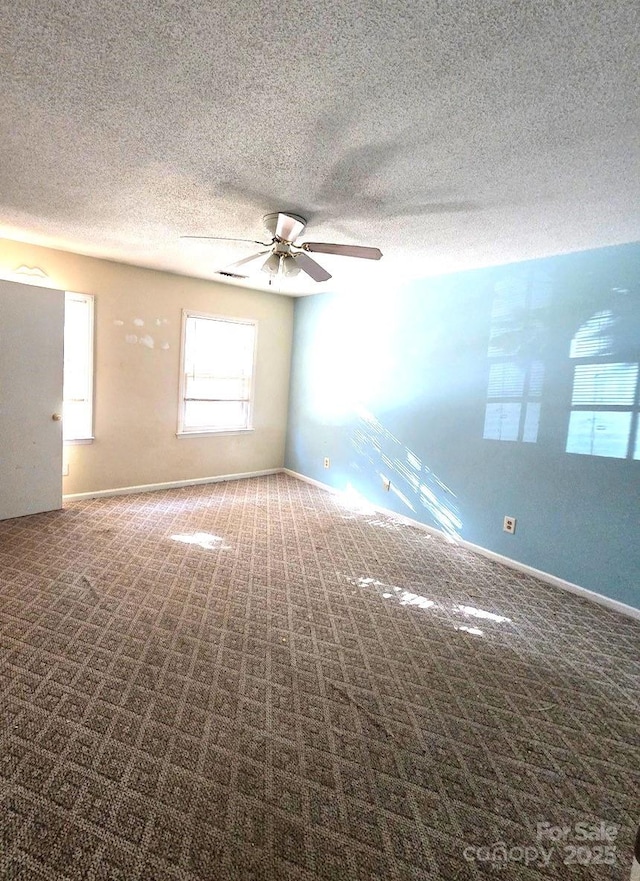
[[467, 390]]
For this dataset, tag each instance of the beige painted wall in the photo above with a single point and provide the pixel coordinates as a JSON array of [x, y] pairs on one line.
[[136, 387]]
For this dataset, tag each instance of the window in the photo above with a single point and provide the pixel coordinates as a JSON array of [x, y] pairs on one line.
[[516, 375], [513, 401], [77, 411], [605, 402], [217, 374]]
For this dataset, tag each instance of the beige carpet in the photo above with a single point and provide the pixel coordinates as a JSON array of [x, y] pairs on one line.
[[252, 681]]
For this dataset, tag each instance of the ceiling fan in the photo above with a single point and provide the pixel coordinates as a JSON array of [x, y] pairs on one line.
[[285, 256]]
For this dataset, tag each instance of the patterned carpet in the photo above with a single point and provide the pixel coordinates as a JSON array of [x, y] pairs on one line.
[[251, 680]]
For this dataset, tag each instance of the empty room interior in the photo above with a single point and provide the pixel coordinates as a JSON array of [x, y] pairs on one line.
[[319, 441]]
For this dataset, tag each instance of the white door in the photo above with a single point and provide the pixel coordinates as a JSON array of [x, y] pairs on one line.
[[31, 359]]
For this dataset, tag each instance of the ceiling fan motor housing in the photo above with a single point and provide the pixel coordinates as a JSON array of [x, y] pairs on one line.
[[270, 221]]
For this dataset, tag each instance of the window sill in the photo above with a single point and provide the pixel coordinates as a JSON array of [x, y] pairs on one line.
[[72, 442], [213, 432]]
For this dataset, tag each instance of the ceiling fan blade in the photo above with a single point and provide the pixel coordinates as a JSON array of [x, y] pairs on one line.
[[308, 265], [244, 260], [224, 239], [343, 250], [288, 228]]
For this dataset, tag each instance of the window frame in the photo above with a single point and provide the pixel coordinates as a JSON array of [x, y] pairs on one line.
[[182, 431], [89, 299], [633, 409], [525, 399], [518, 310]]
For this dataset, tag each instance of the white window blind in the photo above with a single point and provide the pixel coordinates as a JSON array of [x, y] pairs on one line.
[[594, 337], [517, 417], [516, 379], [517, 309], [78, 367], [217, 375], [604, 400], [506, 380], [606, 385], [536, 378]]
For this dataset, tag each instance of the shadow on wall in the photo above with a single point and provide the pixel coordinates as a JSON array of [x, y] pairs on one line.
[[511, 390], [603, 347], [516, 349], [411, 480], [605, 400], [559, 368]]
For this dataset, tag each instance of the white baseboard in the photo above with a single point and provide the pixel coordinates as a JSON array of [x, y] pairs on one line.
[[616, 605], [174, 484], [318, 483]]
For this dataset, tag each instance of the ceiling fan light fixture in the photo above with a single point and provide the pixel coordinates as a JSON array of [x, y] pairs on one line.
[[286, 258], [290, 267], [272, 264]]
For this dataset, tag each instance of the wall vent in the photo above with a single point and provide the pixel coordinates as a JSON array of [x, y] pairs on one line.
[[231, 275]]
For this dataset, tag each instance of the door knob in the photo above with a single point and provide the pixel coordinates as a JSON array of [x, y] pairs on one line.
[[56, 417]]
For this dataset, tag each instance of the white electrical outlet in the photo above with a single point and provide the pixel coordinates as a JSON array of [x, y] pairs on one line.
[[509, 524], [386, 483], [65, 469], [327, 462]]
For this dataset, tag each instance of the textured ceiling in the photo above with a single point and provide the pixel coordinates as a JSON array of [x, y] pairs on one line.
[[450, 135]]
